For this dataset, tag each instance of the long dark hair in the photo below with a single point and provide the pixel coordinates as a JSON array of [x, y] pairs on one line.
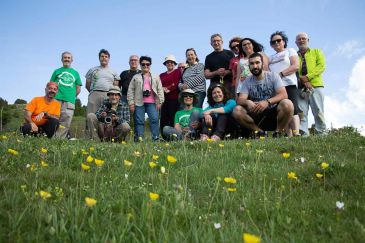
[[226, 96], [257, 47]]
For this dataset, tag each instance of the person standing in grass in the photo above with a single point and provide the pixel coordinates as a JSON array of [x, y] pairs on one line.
[[42, 113], [193, 76], [98, 82], [186, 120], [145, 95], [69, 86], [170, 84], [127, 75], [285, 63], [263, 103], [311, 66], [217, 63]]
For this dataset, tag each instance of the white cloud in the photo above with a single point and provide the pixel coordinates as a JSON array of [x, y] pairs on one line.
[[349, 49], [349, 109]]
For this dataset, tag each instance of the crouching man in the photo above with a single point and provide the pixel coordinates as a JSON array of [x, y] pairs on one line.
[[111, 120], [263, 103], [42, 113]]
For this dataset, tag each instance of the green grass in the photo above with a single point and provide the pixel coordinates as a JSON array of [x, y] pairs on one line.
[[192, 193]]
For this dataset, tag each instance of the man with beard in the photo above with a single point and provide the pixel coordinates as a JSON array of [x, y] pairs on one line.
[[42, 113], [69, 86], [111, 120], [311, 66], [217, 63], [263, 103]]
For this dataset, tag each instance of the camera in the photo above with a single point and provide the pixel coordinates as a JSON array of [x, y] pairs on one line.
[[305, 93], [109, 114], [146, 93]]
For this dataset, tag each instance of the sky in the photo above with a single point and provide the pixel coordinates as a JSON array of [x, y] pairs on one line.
[[33, 34]]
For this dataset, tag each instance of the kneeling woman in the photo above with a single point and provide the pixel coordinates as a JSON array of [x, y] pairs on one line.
[[218, 114]]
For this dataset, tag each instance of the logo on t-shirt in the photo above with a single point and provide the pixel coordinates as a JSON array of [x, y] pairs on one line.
[[66, 79]]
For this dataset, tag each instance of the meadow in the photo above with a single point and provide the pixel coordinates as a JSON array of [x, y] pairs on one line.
[[270, 190]]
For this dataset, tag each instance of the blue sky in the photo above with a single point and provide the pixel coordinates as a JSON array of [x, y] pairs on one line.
[[35, 33]]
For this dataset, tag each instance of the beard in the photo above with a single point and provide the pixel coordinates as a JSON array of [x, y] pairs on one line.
[[256, 71]]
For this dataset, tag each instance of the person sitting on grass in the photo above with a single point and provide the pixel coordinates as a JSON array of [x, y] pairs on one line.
[[218, 114], [263, 103], [186, 120], [111, 120], [42, 113]]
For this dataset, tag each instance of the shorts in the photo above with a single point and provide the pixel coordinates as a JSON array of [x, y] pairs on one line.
[[293, 96], [266, 120]]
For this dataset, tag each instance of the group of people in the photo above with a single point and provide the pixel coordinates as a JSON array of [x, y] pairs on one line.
[[249, 92]]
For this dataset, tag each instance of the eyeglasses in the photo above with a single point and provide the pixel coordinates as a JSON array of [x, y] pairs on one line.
[[275, 41], [169, 62], [145, 64], [188, 95], [234, 47]]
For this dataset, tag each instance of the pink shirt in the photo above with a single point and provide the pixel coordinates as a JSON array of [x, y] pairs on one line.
[[147, 86]]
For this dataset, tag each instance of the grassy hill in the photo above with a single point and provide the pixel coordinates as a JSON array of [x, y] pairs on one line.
[[281, 190]]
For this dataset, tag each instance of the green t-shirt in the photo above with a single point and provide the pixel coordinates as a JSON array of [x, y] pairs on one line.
[[183, 117], [67, 80]]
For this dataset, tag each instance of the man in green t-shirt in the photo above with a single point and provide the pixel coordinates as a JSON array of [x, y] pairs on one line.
[[186, 120], [69, 86]]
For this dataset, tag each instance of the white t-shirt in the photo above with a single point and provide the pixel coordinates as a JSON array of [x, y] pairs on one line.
[[280, 61]]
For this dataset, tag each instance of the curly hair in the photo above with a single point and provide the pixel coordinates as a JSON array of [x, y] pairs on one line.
[[226, 95], [257, 47], [283, 35]]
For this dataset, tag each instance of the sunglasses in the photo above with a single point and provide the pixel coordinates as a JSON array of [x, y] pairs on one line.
[[275, 41], [246, 44], [188, 95], [145, 64], [234, 47]]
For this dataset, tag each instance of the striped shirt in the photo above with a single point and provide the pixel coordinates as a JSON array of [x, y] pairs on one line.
[[193, 77]]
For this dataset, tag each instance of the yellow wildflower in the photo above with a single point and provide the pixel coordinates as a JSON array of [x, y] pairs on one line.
[[12, 151], [44, 150], [44, 164], [99, 162], [4, 137], [209, 140], [44, 195], [23, 187], [89, 159], [155, 157], [137, 153], [324, 165], [127, 163], [90, 202], [262, 138], [154, 196], [230, 180], [231, 189], [33, 167], [221, 145], [248, 238], [259, 151], [91, 149], [286, 155], [124, 142], [152, 164], [167, 145], [62, 127], [85, 153], [85, 166], [319, 175], [248, 144], [171, 159], [292, 175]]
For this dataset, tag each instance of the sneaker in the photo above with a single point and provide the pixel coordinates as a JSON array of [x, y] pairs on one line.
[[215, 138], [259, 134], [203, 137]]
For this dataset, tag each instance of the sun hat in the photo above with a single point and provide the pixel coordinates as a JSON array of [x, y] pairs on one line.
[[188, 91], [114, 90], [170, 58]]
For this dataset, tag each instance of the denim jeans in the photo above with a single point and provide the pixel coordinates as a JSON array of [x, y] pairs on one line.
[[316, 102], [139, 121], [201, 96]]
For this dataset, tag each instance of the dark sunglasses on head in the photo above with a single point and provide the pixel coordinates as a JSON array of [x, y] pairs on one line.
[[188, 95], [275, 41], [145, 64]]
